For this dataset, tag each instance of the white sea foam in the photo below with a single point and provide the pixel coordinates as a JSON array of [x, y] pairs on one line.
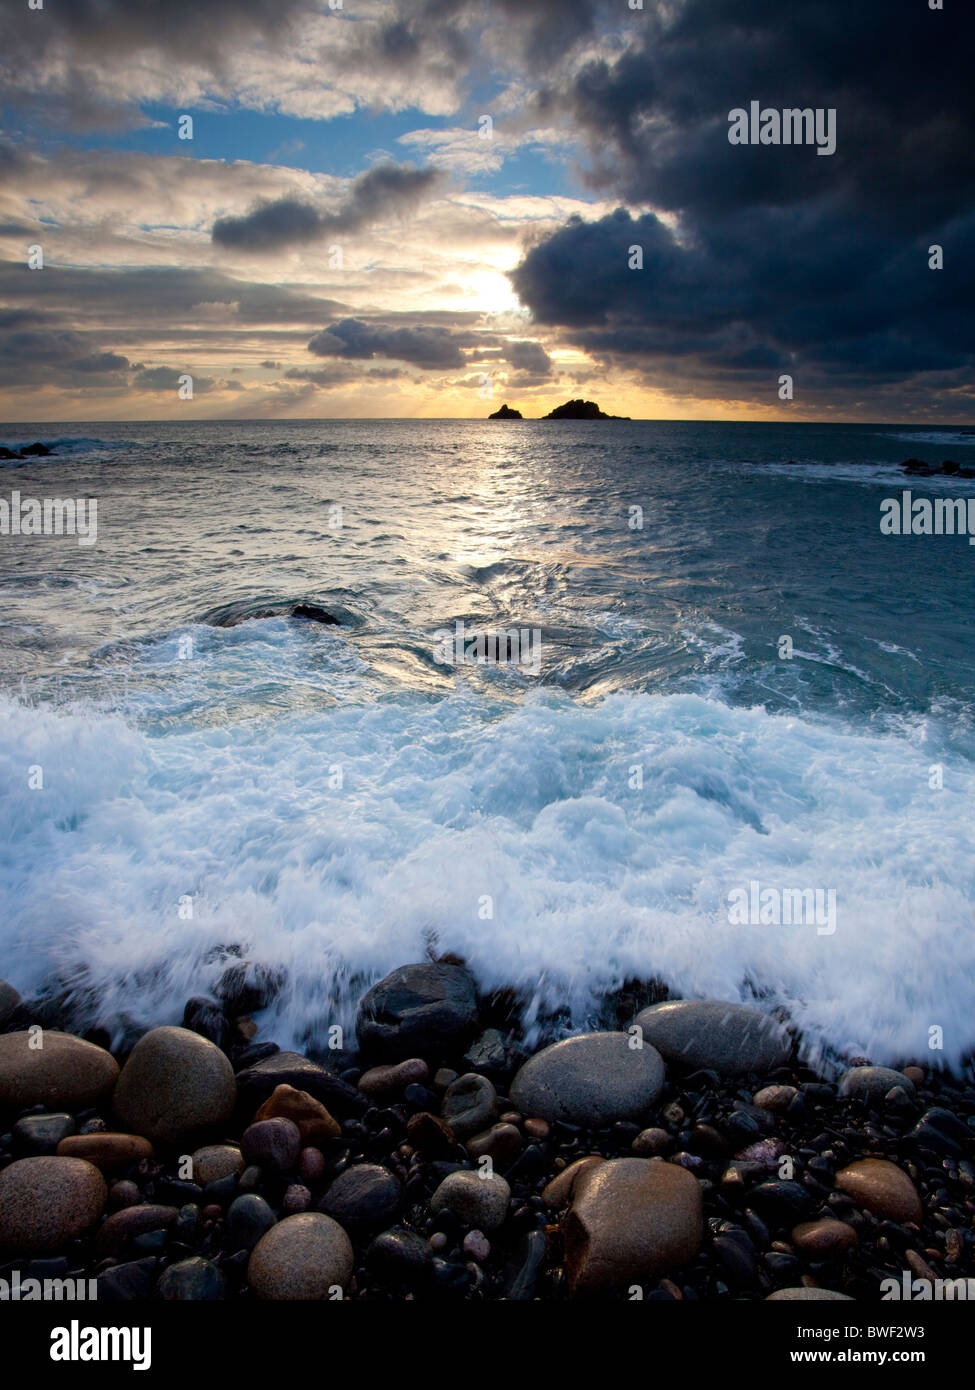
[[446, 801]]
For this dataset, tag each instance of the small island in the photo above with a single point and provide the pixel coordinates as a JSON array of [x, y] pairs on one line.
[[580, 410], [572, 410]]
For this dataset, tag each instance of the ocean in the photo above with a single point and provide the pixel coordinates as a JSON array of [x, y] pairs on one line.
[[738, 684]]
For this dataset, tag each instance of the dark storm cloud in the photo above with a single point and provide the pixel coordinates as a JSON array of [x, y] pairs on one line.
[[342, 374], [386, 190], [783, 259], [529, 357], [64, 358], [431, 347]]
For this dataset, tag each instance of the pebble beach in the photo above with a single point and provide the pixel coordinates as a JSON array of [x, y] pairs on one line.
[[684, 1153]]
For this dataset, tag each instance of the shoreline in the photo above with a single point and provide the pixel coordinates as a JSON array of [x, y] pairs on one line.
[[683, 1154]]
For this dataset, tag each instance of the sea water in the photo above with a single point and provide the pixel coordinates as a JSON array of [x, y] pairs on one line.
[[740, 681]]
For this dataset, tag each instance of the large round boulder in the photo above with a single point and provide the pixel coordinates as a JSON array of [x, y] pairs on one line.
[[593, 1080], [174, 1084], [57, 1070], [47, 1202], [307, 1256], [631, 1219]]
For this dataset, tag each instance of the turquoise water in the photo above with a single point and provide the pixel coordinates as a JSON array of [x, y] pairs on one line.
[[338, 800]]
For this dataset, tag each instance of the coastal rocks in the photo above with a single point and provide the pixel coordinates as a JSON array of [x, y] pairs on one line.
[[9, 999], [216, 1161], [727, 1038], [273, 1144], [501, 1143], [506, 414], [233, 614], [429, 1008], [53, 1069], [307, 1256], [775, 1099], [390, 1080], [880, 1187], [481, 1203], [469, 1105], [366, 1195], [580, 410], [174, 1083], [942, 1133], [48, 1201], [106, 1151], [593, 1080], [256, 1083], [402, 1257], [871, 1084], [315, 1124], [824, 1240], [631, 1219]]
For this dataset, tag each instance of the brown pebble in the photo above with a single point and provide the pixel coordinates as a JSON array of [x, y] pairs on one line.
[[954, 1245], [315, 1124], [880, 1187], [914, 1074], [106, 1151], [919, 1266], [431, 1136], [444, 1078], [824, 1240], [775, 1099], [510, 1117], [650, 1142], [122, 1226], [537, 1129], [386, 1080], [47, 1201]]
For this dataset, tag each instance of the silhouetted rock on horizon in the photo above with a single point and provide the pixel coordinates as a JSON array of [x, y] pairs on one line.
[[505, 414], [581, 410]]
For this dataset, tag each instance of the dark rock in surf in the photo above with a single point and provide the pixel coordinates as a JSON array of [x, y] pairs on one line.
[[417, 1010], [256, 1083], [236, 614], [36, 451]]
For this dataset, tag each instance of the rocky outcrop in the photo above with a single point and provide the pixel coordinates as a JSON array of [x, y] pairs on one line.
[[580, 410], [917, 468], [506, 414]]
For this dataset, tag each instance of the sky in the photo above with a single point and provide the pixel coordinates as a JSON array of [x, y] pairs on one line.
[[425, 208]]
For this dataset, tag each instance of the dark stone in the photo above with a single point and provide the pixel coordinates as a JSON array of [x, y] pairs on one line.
[[580, 410], [506, 414], [36, 451], [256, 1083], [195, 1280], [364, 1196], [401, 1257], [40, 1134], [128, 1282], [248, 1218], [781, 1201], [494, 1054], [245, 987], [429, 1008], [430, 1135], [941, 1132], [274, 1144], [469, 1105], [207, 1018], [737, 1262], [177, 1192], [130, 1223]]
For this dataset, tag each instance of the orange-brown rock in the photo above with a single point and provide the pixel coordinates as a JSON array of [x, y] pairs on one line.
[[314, 1122]]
